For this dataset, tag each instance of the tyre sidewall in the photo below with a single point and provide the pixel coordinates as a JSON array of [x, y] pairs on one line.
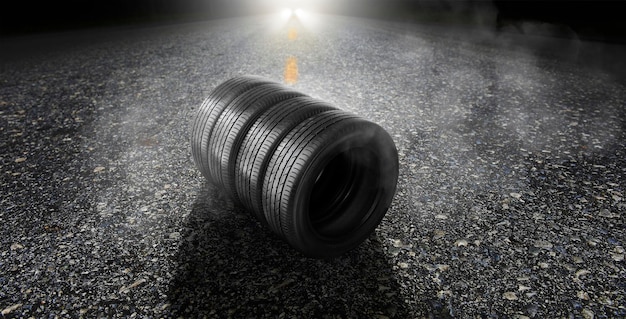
[[355, 133]]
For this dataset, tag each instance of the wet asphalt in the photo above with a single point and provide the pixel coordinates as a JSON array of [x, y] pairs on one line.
[[510, 202]]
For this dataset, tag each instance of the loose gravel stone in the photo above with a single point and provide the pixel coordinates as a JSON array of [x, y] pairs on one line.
[[509, 295]]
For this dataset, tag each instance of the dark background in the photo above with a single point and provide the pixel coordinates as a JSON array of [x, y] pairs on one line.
[[590, 20]]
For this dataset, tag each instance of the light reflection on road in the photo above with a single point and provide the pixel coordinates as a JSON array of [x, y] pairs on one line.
[[293, 26], [291, 64], [292, 34], [291, 70]]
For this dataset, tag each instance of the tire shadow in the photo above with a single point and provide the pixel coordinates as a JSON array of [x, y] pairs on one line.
[[228, 266]]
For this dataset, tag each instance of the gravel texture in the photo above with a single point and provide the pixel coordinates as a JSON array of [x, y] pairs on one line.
[[510, 202]]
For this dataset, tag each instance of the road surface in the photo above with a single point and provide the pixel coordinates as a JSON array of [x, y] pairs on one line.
[[510, 204]]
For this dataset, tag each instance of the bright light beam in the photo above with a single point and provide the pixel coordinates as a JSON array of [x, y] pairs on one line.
[[286, 13]]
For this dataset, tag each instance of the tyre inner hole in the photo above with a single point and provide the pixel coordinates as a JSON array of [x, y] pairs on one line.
[[345, 193]]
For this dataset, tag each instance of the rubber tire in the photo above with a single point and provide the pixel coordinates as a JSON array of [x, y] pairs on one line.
[[260, 142], [210, 110], [329, 183], [232, 126], [319, 177]]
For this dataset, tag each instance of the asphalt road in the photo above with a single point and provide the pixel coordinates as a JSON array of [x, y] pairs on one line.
[[510, 202]]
